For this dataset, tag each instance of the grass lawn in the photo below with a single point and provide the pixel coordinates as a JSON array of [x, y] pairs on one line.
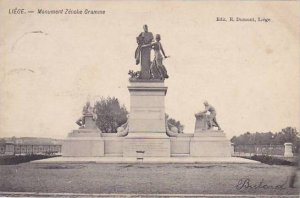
[[17, 159], [147, 178]]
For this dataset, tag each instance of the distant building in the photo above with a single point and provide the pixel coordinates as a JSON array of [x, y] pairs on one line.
[[29, 145]]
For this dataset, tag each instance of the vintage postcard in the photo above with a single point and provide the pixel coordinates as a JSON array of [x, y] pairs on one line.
[[149, 98]]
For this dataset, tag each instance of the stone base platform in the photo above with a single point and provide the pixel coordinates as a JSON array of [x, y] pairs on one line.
[[83, 146], [153, 160], [146, 145], [83, 143], [94, 144], [210, 144]]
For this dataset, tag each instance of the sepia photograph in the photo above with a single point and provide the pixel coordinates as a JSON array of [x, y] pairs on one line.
[[176, 98]]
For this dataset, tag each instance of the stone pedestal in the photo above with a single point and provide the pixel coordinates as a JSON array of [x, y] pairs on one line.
[[147, 107], [201, 123], [147, 126], [89, 122], [210, 143], [288, 151], [83, 147], [145, 146], [84, 142]]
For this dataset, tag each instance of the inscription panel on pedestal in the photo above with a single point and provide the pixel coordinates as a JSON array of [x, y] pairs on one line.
[[145, 114], [135, 147], [147, 101]]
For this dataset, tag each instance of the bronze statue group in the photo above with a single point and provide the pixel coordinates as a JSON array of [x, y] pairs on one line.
[[154, 69]]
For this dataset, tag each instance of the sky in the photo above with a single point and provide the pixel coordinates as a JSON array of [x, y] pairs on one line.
[[51, 64]]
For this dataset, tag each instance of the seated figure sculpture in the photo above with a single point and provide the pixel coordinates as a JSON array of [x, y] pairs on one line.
[[211, 120], [87, 110]]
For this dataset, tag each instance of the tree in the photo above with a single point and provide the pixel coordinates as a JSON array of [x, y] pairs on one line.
[[175, 123], [288, 134], [110, 115]]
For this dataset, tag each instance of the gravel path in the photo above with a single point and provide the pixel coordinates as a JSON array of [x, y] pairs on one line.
[[146, 178]]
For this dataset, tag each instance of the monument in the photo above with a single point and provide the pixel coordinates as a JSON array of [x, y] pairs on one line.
[[207, 141], [85, 141], [147, 132], [147, 124]]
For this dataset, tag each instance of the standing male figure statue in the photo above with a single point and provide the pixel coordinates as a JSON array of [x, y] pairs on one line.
[[143, 55]]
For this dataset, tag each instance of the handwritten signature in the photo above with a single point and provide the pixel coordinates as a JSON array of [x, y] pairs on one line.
[[246, 183]]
